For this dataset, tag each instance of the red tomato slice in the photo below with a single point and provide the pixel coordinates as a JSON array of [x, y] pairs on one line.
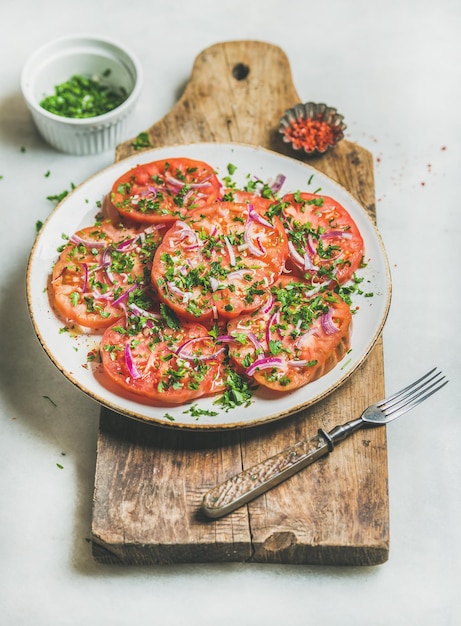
[[248, 197], [164, 191], [325, 244], [99, 270], [169, 366], [220, 263], [294, 342]]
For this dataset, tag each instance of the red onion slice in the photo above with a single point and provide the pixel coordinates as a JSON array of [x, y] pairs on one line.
[[269, 304], [137, 310], [133, 370], [124, 295], [274, 319], [255, 341], [124, 245], [300, 363], [230, 251], [333, 234], [86, 242], [85, 277], [295, 256], [278, 183], [185, 295], [254, 215], [264, 364], [328, 325], [183, 354], [172, 180]]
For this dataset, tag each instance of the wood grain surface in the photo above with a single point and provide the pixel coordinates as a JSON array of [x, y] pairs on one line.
[[150, 481]]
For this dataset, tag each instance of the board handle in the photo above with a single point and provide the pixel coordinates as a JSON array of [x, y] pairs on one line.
[[237, 92]]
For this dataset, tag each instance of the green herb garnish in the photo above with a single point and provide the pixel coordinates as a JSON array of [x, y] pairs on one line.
[[142, 141], [81, 97]]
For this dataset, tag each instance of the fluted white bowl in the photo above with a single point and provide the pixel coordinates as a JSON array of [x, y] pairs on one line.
[[55, 63]]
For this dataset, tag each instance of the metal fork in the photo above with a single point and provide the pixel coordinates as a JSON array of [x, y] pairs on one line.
[[250, 483]]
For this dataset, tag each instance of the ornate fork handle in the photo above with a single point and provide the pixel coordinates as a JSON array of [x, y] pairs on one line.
[[250, 483]]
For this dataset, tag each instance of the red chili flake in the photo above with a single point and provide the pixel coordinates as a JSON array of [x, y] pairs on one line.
[[312, 134]]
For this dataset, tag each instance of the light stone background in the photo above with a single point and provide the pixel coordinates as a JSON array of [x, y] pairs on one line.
[[393, 69]]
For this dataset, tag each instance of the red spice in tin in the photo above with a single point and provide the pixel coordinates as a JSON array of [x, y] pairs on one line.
[[312, 134]]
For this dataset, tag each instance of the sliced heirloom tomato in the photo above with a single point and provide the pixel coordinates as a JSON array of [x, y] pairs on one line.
[[165, 190], [156, 357], [325, 244], [293, 340], [220, 263], [99, 270]]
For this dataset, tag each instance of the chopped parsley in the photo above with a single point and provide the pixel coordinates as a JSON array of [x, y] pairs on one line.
[[142, 141]]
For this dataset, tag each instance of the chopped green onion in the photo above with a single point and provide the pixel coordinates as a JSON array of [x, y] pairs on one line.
[[82, 97]]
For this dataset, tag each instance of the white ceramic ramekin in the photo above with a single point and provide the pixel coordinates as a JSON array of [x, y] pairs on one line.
[[55, 63]]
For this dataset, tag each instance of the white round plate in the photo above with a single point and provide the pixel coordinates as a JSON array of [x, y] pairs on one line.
[[69, 351]]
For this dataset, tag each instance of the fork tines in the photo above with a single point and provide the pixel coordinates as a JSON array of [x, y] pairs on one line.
[[415, 393]]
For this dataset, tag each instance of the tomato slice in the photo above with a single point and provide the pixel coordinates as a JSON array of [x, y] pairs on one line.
[[99, 270], [293, 342], [325, 243], [167, 362], [219, 263], [165, 190], [248, 197]]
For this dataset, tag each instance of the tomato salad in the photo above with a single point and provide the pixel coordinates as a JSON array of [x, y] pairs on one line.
[[198, 288]]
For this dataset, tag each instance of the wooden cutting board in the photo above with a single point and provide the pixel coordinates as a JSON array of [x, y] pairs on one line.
[[150, 480]]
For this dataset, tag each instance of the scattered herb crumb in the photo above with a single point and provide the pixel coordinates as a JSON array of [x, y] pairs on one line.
[[48, 398], [92, 356], [169, 417], [38, 225], [47, 174], [23, 149], [195, 411], [142, 141], [60, 196]]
